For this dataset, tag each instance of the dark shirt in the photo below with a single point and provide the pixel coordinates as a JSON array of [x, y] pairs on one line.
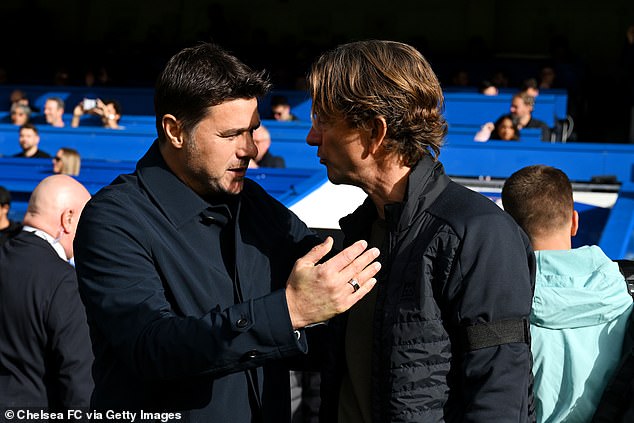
[[45, 353], [536, 123], [14, 228], [162, 291], [39, 154], [269, 160]]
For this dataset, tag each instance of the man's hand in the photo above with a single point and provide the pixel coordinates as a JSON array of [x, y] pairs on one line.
[[318, 292]]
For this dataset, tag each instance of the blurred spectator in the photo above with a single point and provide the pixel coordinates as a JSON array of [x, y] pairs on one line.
[[503, 129], [281, 108], [262, 140], [487, 88], [460, 78], [522, 106], [547, 78], [54, 111], [500, 79], [8, 228], [61, 77], [67, 161], [97, 77], [20, 114], [108, 110], [18, 96], [30, 141], [530, 87]]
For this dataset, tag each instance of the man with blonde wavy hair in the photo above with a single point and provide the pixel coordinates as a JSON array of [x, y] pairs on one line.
[[444, 336]]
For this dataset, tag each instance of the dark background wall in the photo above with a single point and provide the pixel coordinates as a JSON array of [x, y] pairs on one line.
[[582, 39]]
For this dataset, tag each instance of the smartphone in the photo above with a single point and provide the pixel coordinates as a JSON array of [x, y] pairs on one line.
[[89, 103]]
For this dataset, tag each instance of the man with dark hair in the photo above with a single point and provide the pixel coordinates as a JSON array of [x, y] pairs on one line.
[[8, 228], [184, 265], [581, 304], [30, 142], [443, 337], [281, 109]]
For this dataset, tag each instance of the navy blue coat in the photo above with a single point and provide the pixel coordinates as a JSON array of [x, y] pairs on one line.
[[45, 353], [155, 266]]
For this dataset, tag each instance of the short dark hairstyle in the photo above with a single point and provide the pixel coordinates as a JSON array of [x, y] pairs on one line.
[[366, 79], [484, 85], [279, 100], [539, 198], [200, 77], [5, 196], [115, 104], [529, 83], [30, 126]]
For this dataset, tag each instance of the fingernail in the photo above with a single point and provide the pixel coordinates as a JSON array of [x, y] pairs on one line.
[[376, 252], [364, 243], [377, 266]]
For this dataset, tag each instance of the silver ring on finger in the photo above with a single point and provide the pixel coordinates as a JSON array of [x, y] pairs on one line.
[[355, 284]]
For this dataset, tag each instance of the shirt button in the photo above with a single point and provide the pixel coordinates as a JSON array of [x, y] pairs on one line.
[[242, 323], [252, 354]]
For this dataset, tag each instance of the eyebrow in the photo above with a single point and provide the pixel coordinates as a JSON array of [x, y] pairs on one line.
[[237, 131]]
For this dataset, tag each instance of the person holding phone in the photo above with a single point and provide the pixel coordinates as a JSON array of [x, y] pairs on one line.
[[109, 111]]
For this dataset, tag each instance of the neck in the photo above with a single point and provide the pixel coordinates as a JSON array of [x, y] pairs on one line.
[[556, 241], [523, 121], [388, 186], [4, 222], [30, 151]]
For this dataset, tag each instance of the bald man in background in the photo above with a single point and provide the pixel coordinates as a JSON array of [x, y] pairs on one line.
[[264, 158], [45, 351]]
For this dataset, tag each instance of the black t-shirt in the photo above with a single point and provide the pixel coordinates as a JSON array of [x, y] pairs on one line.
[[39, 154], [11, 230]]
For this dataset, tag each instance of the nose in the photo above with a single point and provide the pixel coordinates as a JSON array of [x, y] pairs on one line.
[[314, 137], [248, 148]]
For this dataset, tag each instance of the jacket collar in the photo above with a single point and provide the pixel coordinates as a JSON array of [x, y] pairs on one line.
[[425, 182], [176, 200], [53, 242]]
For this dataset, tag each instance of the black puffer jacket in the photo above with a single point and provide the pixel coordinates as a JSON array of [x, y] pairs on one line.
[[452, 261]]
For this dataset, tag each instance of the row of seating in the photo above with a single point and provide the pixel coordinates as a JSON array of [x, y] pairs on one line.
[[20, 176], [93, 142], [583, 162], [461, 107]]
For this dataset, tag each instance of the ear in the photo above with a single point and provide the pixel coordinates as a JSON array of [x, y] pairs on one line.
[[172, 130], [575, 223], [377, 134], [68, 216]]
